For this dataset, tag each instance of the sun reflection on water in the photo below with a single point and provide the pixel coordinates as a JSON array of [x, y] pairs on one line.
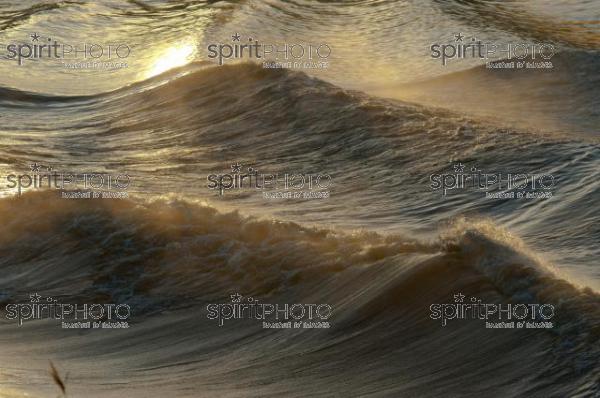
[[172, 57]]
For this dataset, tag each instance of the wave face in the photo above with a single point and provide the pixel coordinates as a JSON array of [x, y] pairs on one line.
[[383, 248], [168, 259]]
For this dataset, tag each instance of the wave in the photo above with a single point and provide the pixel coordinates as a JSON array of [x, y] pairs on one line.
[[198, 241], [381, 153], [167, 257], [185, 248], [559, 99]]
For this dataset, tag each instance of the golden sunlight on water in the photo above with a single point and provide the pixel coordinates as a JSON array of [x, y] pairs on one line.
[[172, 57]]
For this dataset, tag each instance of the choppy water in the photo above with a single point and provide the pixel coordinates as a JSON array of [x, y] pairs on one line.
[[381, 249]]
